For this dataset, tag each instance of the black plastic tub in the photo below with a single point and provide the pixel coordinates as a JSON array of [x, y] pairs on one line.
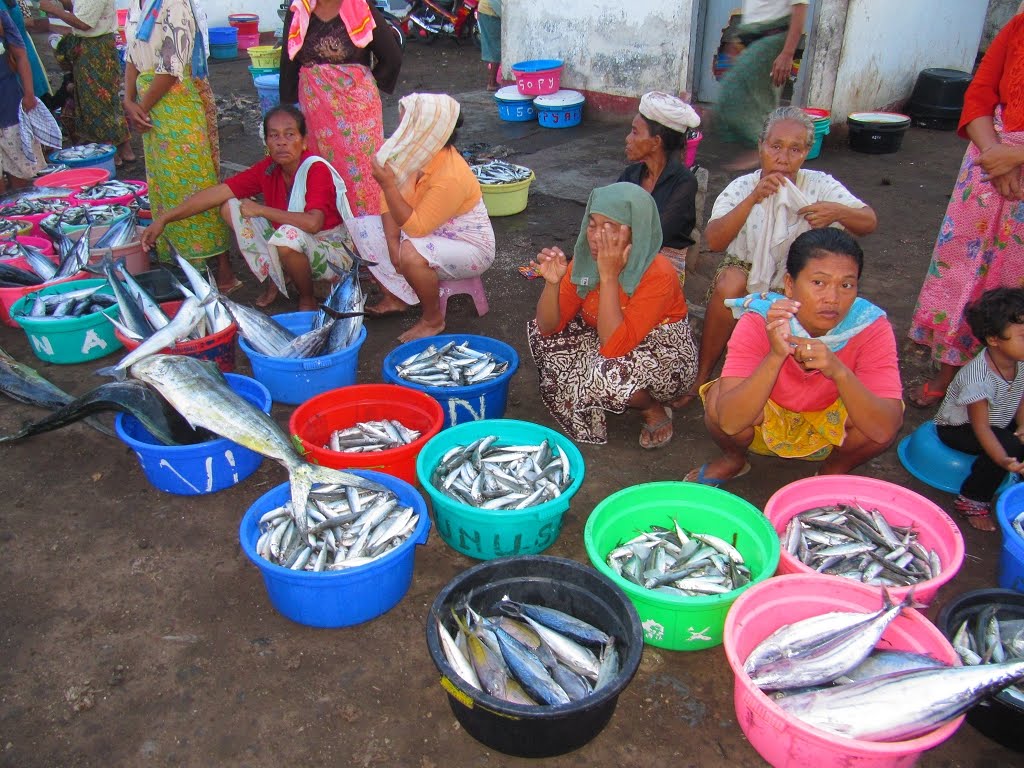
[[938, 98], [158, 283], [999, 717], [542, 731], [877, 133]]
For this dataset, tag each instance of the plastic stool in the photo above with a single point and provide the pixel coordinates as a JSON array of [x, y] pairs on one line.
[[934, 463], [473, 286]]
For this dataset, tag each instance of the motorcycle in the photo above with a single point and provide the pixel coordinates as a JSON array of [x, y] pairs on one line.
[[395, 13], [430, 20]]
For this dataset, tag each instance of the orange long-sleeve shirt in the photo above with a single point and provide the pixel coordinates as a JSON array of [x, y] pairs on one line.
[[999, 80], [445, 188], [658, 299]]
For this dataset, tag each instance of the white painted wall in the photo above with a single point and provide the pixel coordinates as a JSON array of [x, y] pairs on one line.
[[217, 11], [886, 44], [618, 47]]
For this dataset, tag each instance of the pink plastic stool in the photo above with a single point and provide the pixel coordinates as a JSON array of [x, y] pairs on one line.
[[473, 286]]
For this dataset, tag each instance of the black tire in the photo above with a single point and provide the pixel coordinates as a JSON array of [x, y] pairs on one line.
[[398, 34]]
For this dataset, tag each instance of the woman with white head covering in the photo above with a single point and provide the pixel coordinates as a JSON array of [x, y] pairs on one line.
[[434, 219], [653, 144]]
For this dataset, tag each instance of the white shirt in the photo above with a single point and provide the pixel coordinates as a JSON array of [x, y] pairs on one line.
[[975, 382], [756, 11], [98, 14]]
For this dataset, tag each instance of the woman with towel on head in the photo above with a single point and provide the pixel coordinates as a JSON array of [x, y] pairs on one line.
[[758, 216], [434, 219], [653, 145], [611, 330], [326, 67]]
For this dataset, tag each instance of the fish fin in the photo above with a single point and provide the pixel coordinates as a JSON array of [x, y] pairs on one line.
[[340, 315], [118, 373], [320, 474], [910, 602]]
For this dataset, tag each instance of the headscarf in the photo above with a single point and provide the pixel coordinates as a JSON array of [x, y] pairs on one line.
[[628, 204], [355, 15], [428, 120], [668, 110], [862, 314]]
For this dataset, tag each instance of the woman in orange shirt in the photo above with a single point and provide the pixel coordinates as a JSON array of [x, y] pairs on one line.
[[611, 332], [434, 219]]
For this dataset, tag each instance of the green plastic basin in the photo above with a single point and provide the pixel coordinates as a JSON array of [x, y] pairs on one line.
[[669, 621]]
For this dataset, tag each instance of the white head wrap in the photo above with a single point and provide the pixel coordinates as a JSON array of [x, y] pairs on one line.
[[670, 111]]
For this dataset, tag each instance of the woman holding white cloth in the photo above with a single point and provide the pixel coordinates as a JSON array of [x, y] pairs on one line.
[[298, 230]]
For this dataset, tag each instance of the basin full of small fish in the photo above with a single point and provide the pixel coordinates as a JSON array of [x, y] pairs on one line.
[[10, 228], [500, 172], [993, 635], [35, 207], [451, 365], [489, 475], [371, 437], [849, 541], [1018, 524], [52, 168], [829, 673], [529, 654], [81, 152], [680, 562], [80, 215], [345, 527], [107, 190], [78, 303]]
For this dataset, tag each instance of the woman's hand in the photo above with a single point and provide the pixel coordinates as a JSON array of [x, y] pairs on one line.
[[782, 68], [814, 355], [137, 116], [779, 315], [767, 186], [1000, 159], [50, 6], [151, 233], [1009, 185], [613, 249], [382, 173], [551, 264], [821, 215], [249, 209]]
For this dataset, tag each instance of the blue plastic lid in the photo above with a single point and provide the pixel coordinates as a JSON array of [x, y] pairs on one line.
[[537, 65]]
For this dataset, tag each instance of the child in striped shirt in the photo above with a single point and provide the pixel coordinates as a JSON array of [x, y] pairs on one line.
[[981, 413]]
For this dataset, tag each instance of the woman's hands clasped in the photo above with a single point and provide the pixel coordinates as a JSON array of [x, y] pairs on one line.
[[1001, 165], [551, 264], [810, 354]]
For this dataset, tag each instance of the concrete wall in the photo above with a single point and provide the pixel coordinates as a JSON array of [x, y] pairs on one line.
[[621, 48], [886, 44], [999, 12]]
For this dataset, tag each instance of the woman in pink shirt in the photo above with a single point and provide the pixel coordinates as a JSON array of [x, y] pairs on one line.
[[810, 375]]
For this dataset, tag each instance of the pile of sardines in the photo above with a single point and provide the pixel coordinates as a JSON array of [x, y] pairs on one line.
[[487, 475], [371, 436], [77, 303], [848, 540], [107, 190], [680, 562], [992, 635], [35, 206], [529, 654], [41, 270], [10, 228], [80, 215], [335, 326], [347, 527], [500, 172], [452, 365], [82, 152], [829, 673]]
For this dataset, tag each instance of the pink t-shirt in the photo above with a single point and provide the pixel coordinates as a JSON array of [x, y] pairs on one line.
[[871, 355]]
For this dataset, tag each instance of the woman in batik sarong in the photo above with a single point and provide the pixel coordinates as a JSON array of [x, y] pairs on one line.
[[434, 222], [326, 68], [91, 53], [298, 230], [812, 374], [162, 102], [611, 331], [982, 234]]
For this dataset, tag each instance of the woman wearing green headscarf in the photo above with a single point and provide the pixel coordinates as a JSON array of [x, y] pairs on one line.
[[611, 330]]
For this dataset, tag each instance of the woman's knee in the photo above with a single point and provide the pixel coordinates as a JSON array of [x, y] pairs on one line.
[[225, 212], [731, 283]]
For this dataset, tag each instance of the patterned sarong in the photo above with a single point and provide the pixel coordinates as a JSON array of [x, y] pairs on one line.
[[179, 163], [747, 94], [345, 126], [978, 248], [579, 385]]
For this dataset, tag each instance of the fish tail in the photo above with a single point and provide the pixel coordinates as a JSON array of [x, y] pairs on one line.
[[320, 474], [118, 373]]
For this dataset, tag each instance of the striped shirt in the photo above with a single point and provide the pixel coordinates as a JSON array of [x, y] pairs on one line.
[[977, 381]]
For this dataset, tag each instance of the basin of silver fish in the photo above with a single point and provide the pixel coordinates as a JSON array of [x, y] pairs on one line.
[[499, 172], [582, 625], [450, 365], [371, 437], [107, 190], [81, 152]]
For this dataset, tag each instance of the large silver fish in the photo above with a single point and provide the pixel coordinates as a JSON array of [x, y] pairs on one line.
[[346, 297], [901, 705], [189, 316], [262, 332], [217, 315], [199, 392]]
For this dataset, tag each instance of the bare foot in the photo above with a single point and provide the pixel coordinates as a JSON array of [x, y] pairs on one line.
[[421, 331], [982, 522], [269, 295], [389, 305]]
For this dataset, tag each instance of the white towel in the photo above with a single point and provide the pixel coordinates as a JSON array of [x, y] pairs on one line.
[[40, 125], [782, 226]]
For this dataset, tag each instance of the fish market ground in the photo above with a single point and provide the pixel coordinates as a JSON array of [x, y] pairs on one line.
[[134, 632]]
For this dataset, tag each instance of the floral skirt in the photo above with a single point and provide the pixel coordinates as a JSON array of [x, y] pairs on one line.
[[258, 240], [98, 114], [979, 247], [345, 126], [579, 385]]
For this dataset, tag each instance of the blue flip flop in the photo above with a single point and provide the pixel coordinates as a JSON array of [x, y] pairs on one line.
[[716, 482]]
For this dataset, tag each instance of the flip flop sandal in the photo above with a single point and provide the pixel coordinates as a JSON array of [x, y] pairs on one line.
[[929, 396], [231, 288], [715, 482], [650, 429]]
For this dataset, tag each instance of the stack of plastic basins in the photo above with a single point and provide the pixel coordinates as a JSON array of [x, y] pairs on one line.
[[223, 42], [248, 26]]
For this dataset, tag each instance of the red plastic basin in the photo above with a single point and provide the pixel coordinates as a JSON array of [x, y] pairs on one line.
[[314, 421], [8, 296], [74, 179], [784, 740], [219, 347], [123, 200], [900, 506]]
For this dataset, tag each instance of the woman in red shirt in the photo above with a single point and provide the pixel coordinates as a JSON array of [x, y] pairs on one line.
[[299, 228], [810, 375], [979, 243], [611, 331]]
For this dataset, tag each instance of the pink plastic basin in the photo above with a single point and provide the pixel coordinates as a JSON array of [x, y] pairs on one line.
[[8, 296], [785, 741], [42, 243], [936, 530], [34, 219]]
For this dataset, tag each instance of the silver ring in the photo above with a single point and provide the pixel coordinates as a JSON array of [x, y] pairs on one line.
[[808, 347]]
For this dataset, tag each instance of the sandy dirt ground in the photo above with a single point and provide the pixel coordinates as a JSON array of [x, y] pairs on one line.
[[134, 632]]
